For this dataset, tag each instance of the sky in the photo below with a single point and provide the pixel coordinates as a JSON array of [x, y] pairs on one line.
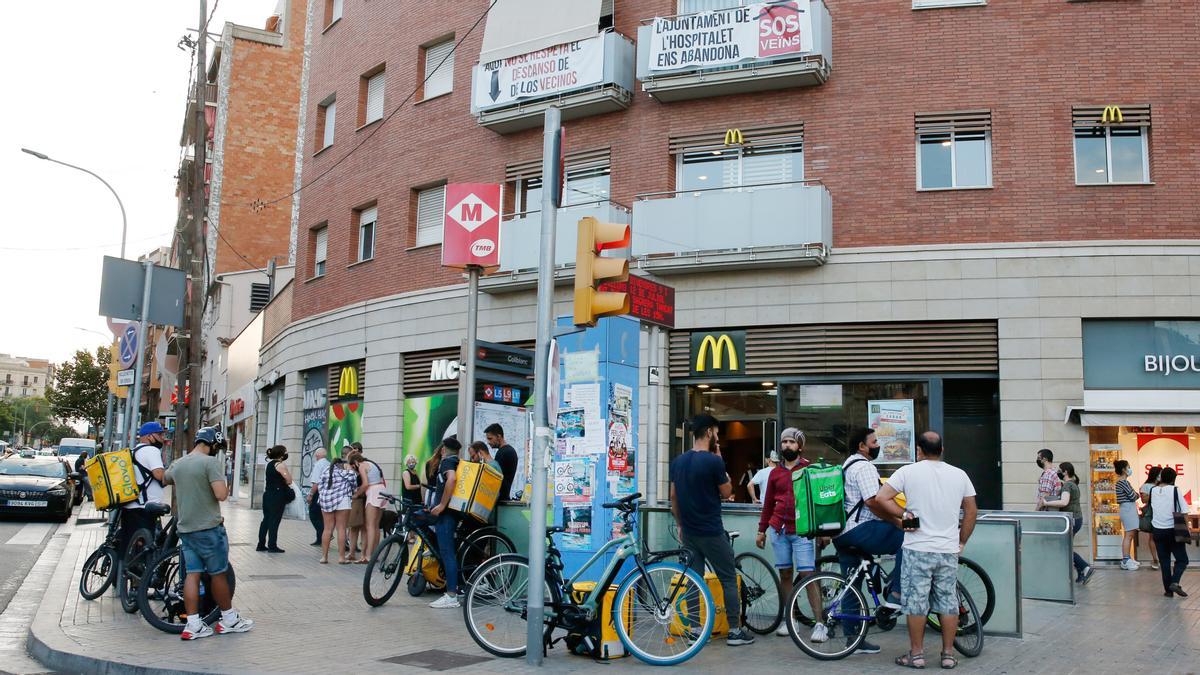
[[101, 85]]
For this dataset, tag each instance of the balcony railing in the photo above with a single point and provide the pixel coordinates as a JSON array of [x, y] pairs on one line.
[[520, 232]]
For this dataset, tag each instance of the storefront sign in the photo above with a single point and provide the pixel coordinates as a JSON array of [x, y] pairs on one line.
[[715, 354], [649, 301], [504, 358], [1141, 354], [471, 227], [722, 37], [441, 370], [549, 71]]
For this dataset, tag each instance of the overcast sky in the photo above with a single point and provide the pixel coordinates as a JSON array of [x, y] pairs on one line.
[[101, 85]]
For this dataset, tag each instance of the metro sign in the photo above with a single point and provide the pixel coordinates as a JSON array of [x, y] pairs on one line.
[[471, 228]]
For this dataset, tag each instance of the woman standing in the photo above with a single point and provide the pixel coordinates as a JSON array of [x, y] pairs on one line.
[[373, 484], [275, 499], [333, 489], [1166, 502], [358, 507], [1127, 502], [412, 481], [431, 471], [1145, 523], [1070, 502]]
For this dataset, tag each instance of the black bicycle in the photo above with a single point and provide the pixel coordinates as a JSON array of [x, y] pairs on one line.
[[100, 568], [160, 591], [141, 549]]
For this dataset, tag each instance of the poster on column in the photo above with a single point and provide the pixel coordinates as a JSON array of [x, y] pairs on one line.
[[573, 479], [515, 423], [316, 416], [893, 422], [571, 65], [577, 519], [728, 36]]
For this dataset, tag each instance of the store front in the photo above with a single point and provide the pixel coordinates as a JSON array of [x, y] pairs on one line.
[[1141, 404], [900, 379]]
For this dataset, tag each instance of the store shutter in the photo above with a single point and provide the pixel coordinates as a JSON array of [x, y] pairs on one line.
[[431, 207]]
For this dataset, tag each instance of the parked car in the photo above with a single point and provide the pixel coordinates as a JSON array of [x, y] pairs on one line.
[[70, 460], [37, 486]]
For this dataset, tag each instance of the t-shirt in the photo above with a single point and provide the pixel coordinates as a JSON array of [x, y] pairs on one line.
[[935, 491], [1049, 485], [495, 465], [318, 469], [1125, 492], [1163, 501], [150, 457], [760, 481], [506, 456], [861, 480], [1074, 508], [697, 476], [449, 463], [197, 507]]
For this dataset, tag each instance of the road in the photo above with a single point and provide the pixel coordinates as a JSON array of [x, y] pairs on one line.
[[21, 543]]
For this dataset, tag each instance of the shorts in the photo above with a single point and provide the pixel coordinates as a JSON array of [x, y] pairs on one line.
[[373, 498], [923, 572], [792, 551], [205, 550], [1129, 516], [343, 505]]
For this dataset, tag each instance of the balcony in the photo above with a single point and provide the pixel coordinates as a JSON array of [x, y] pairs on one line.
[[613, 90], [763, 74]]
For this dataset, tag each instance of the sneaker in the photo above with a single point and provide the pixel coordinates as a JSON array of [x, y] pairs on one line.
[[690, 636], [739, 637], [205, 631], [447, 601], [820, 633], [238, 625], [782, 631], [1154, 565], [865, 647], [1086, 576], [1129, 564]]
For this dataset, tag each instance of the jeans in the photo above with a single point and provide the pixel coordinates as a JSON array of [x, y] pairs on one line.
[[718, 552], [314, 516], [446, 525], [876, 538], [1080, 563], [273, 506], [205, 551], [1164, 541]]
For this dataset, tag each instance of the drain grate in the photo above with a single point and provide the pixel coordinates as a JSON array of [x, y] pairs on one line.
[[273, 577], [436, 659]]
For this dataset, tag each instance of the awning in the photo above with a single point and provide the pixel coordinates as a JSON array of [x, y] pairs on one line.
[[516, 27], [1141, 419]]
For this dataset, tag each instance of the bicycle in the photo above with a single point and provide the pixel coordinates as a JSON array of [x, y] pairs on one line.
[[842, 605], [663, 612], [160, 593], [970, 574], [761, 595], [142, 547], [100, 568]]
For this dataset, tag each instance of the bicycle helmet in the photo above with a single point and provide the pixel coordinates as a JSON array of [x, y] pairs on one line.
[[211, 436]]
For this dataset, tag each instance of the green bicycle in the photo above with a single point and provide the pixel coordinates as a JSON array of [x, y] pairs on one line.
[[662, 612]]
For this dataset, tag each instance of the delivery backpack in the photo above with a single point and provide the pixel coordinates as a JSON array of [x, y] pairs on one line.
[[820, 492]]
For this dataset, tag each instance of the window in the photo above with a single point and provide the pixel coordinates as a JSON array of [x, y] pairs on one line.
[[954, 150], [692, 6], [935, 4], [320, 250], [431, 207], [35, 380], [260, 295], [333, 11], [439, 69], [767, 158], [371, 97], [366, 233], [326, 115], [1111, 144], [26, 382], [587, 180]]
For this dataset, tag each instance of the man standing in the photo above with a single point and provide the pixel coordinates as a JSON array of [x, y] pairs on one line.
[[758, 484], [1049, 484], [505, 455], [148, 472], [199, 480], [83, 477], [447, 522], [935, 492], [699, 483], [314, 507]]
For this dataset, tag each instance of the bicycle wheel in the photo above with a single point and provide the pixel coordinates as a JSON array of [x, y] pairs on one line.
[[98, 572], [979, 585], [133, 566], [494, 607], [385, 570], [762, 605], [968, 639], [160, 596], [663, 615], [838, 602], [478, 549], [415, 568]]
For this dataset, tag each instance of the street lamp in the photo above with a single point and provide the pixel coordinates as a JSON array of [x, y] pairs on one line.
[[124, 221]]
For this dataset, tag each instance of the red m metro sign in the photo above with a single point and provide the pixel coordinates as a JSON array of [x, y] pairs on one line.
[[471, 228]]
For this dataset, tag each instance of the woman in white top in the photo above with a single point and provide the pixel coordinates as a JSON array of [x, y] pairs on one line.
[[1165, 500], [1144, 524]]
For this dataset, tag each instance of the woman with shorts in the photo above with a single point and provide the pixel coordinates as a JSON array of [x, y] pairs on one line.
[[333, 489], [1127, 503], [373, 485]]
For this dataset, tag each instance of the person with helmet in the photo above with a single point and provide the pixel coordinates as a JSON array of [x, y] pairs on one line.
[[148, 470], [200, 487]]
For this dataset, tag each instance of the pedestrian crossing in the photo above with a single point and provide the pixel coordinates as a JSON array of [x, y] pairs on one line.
[[30, 535]]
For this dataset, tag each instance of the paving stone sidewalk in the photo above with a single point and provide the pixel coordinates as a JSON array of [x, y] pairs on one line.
[[311, 618]]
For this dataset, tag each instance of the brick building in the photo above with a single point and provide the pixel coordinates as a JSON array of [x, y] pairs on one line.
[[934, 202]]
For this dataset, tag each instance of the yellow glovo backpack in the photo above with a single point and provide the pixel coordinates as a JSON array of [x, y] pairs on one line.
[[114, 482]]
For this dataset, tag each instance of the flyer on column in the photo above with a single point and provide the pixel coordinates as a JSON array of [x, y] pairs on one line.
[[893, 422]]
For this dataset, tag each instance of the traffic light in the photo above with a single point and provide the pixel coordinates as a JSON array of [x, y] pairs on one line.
[[591, 270]]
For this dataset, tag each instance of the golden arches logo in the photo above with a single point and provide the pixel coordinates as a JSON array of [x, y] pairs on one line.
[[1112, 114], [719, 346], [348, 382], [734, 137]]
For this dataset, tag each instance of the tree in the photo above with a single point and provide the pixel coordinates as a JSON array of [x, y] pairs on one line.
[[56, 433], [26, 413], [80, 389]]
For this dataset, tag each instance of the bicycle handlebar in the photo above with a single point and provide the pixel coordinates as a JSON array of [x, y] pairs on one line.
[[623, 503]]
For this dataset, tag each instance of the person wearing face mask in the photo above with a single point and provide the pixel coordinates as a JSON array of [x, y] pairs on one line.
[[411, 480], [148, 470], [1127, 503], [1049, 483], [869, 526]]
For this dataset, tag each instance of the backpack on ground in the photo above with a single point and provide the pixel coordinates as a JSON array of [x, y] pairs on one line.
[[820, 491]]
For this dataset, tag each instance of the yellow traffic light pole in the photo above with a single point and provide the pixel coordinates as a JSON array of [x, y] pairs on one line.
[[591, 269]]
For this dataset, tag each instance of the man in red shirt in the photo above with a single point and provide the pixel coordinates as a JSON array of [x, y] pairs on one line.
[[792, 552]]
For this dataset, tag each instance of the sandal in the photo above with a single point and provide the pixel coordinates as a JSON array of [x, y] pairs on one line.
[[344, 562], [948, 658], [324, 561], [360, 561], [911, 660]]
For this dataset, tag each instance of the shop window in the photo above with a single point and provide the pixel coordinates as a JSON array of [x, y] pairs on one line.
[[954, 150], [750, 166], [1111, 144]]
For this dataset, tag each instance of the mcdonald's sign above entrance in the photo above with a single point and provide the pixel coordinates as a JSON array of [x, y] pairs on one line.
[[718, 353]]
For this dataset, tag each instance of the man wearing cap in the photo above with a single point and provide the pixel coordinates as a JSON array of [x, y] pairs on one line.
[[758, 484], [148, 471]]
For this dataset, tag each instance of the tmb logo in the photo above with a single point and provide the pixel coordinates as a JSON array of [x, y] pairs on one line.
[[482, 247]]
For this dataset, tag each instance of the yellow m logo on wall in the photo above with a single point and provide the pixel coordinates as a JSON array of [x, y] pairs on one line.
[[1111, 115], [734, 137], [348, 382], [718, 353]]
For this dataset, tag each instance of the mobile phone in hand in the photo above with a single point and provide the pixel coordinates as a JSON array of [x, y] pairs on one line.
[[913, 523]]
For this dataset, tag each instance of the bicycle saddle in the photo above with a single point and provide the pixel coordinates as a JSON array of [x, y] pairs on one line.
[[733, 535], [158, 510]]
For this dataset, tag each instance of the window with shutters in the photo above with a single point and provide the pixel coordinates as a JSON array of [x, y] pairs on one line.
[[260, 295], [587, 181], [935, 4], [1111, 144], [431, 208], [333, 11], [768, 157], [370, 96], [693, 6], [954, 150], [326, 115], [439, 69], [365, 233], [320, 249]]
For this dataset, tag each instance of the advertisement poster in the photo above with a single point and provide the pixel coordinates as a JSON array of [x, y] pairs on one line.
[[577, 518], [427, 420], [573, 479], [727, 36], [556, 69], [345, 425], [316, 416], [515, 422], [893, 422], [618, 447]]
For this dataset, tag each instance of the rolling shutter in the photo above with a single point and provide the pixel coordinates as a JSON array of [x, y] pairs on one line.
[[375, 97], [439, 77], [752, 136], [328, 123], [431, 208], [949, 122], [1092, 115], [417, 367], [574, 161], [335, 374]]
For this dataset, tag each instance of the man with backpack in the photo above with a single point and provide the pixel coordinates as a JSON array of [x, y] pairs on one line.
[[148, 471], [869, 527]]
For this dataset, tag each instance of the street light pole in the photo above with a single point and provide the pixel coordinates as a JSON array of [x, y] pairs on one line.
[[124, 220]]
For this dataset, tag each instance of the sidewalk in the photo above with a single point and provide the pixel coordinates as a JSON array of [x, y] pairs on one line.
[[311, 618]]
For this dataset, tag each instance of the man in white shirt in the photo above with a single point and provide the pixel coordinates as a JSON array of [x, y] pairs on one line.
[[758, 484], [148, 471], [314, 509], [935, 493]]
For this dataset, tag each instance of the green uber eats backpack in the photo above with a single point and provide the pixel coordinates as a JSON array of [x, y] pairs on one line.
[[820, 491]]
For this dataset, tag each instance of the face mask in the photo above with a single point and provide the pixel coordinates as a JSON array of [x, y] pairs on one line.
[[1038, 461], [789, 455], [157, 444], [1061, 475], [874, 452]]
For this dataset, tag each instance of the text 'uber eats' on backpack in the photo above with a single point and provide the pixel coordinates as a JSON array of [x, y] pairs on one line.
[[820, 490]]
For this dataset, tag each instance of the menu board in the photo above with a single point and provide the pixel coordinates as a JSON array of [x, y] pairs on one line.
[[893, 421]]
